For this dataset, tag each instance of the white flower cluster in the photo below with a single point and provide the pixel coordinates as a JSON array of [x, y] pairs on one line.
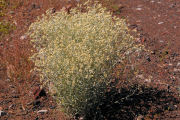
[[77, 51]]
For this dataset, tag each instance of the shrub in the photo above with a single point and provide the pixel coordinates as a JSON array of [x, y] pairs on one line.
[[76, 52], [5, 28], [3, 6]]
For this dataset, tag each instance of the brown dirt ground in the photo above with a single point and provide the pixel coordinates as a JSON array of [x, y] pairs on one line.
[[157, 24]]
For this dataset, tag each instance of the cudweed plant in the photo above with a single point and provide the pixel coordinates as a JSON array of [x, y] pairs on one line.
[[76, 52], [3, 5]]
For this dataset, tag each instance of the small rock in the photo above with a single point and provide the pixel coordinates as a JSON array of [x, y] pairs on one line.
[[23, 37], [176, 70], [138, 40], [38, 92], [11, 106], [139, 9], [175, 27], [53, 10], [178, 64], [11, 12], [52, 107], [15, 96], [152, 1], [42, 111], [140, 76], [172, 5], [170, 64], [2, 113], [148, 59], [175, 106], [148, 80], [15, 23], [81, 118], [140, 117], [161, 41], [160, 23], [37, 118], [138, 21], [172, 107]]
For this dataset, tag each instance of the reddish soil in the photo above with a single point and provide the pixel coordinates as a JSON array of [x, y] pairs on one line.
[[157, 24]]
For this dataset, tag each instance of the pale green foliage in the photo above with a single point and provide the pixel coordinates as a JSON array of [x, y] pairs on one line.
[[77, 52]]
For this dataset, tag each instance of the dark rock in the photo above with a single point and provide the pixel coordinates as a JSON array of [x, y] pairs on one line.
[[53, 10], [42, 111], [38, 93], [148, 59], [15, 96], [2, 113], [52, 107]]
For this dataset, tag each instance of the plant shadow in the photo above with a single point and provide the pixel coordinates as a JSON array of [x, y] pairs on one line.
[[128, 103]]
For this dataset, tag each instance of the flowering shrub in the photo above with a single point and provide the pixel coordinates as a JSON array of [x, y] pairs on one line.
[[76, 53]]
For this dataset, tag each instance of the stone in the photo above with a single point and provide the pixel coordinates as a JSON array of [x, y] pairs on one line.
[[42, 111], [23, 37], [140, 117], [139, 9], [2, 113], [161, 41], [140, 76], [178, 64], [176, 70], [152, 1], [11, 12], [148, 59], [160, 23], [38, 93]]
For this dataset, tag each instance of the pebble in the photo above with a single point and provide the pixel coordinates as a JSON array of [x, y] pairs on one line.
[[11, 106], [172, 107], [140, 76], [160, 23], [172, 5], [140, 117], [148, 59], [175, 27], [11, 12], [152, 1], [170, 64], [178, 64], [139, 9], [42, 111], [148, 80], [161, 41], [81, 118], [23, 37], [15, 23], [2, 113], [176, 70]]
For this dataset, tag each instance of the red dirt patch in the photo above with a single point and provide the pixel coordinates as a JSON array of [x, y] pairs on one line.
[[158, 26]]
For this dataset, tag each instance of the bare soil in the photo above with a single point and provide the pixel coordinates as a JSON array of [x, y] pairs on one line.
[[157, 23]]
